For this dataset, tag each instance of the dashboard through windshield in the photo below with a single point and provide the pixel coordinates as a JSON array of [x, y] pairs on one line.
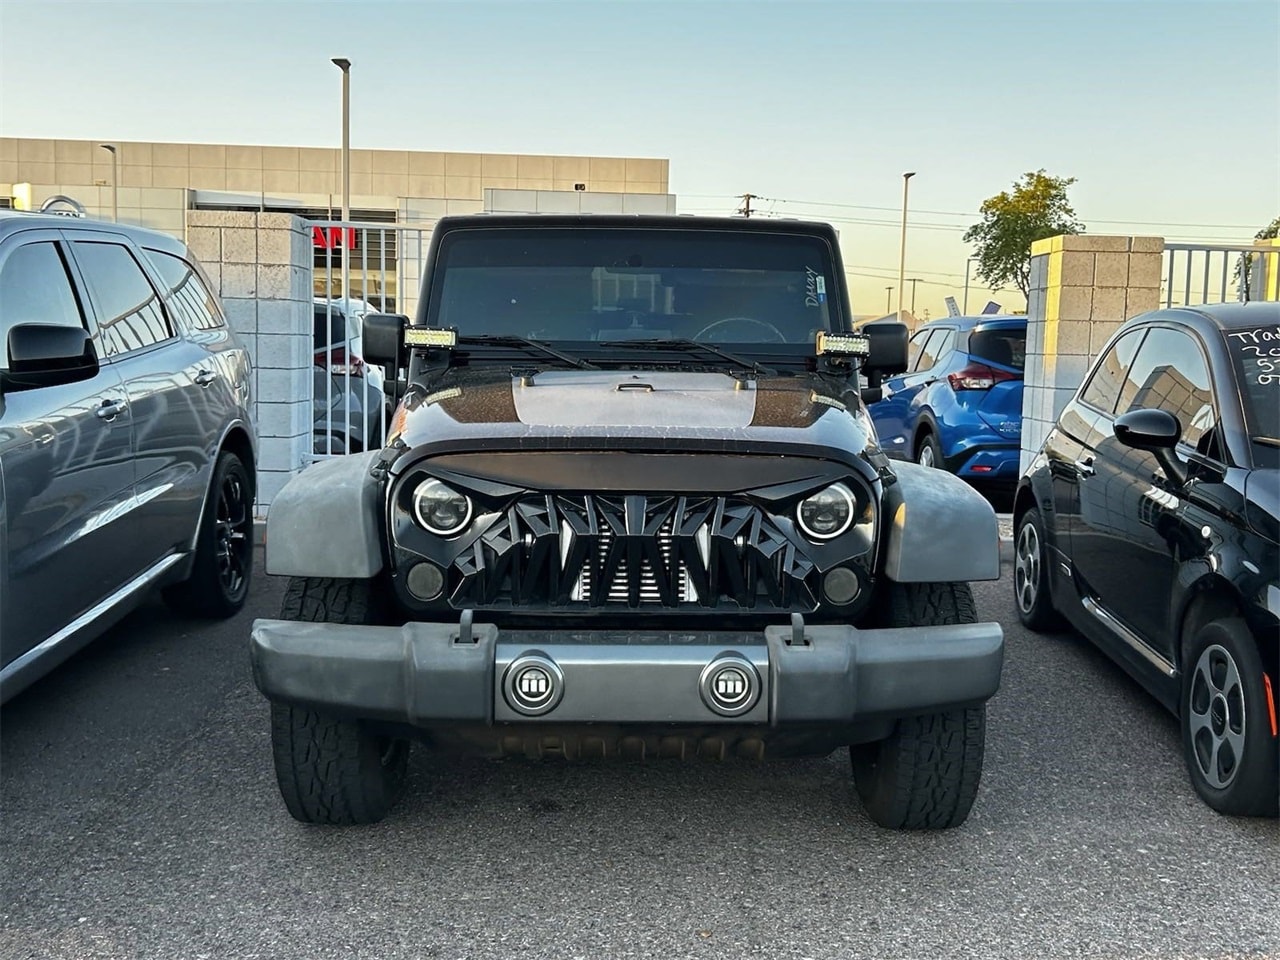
[[610, 284]]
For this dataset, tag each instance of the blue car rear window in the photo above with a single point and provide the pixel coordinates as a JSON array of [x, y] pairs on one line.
[[1005, 347]]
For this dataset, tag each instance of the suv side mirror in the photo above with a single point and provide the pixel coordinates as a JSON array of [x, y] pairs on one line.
[[888, 347], [46, 355], [1157, 431], [383, 337]]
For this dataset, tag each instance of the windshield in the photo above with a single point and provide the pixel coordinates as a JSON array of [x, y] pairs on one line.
[[1255, 354], [608, 284]]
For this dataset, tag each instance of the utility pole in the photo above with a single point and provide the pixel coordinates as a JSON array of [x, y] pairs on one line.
[[888, 299], [745, 209], [902, 251]]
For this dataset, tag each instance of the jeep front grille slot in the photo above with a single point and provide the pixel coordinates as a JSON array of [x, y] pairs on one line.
[[633, 551]]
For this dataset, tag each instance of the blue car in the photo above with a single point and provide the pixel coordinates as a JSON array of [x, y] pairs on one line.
[[958, 407]]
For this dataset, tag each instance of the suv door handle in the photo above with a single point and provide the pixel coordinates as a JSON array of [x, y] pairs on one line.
[[1085, 467], [109, 409], [205, 377]]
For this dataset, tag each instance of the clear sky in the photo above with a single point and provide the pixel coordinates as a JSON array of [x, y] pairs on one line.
[[1167, 113]]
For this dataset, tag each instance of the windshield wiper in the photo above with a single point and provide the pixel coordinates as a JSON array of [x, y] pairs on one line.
[[532, 346], [1269, 441], [687, 346]]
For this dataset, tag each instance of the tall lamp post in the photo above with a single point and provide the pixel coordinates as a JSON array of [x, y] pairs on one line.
[[902, 250], [965, 309], [344, 65], [115, 180], [913, 281], [888, 300]]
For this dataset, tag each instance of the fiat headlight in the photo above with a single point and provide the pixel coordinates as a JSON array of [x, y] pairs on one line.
[[826, 514], [441, 509]]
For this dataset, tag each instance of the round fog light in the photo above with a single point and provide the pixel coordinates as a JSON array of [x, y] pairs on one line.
[[841, 586], [425, 581]]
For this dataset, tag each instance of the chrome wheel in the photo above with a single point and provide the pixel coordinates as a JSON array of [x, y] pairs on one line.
[[926, 455], [231, 533], [1216, 717], [1026, 568]]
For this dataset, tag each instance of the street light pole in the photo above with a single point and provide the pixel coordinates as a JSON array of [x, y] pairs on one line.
[[965, 309], [344, 65], [888, 300], [115, 181], [902, 250], [913, 281]]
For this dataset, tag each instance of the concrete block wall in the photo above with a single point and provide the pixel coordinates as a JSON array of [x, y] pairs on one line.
[[261, 266], [1082, 289]]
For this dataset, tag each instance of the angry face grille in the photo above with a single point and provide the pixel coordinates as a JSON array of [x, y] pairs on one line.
[[634, 551]]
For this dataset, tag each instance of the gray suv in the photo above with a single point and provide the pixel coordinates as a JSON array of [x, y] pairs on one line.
[[126, 446]]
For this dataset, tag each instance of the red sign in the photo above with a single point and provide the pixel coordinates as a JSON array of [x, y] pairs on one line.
[[331, 238]]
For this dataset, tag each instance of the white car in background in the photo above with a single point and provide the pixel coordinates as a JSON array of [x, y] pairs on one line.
[[341, 354]]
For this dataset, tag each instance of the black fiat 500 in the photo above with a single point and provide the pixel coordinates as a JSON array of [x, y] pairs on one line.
[[1148, 521]]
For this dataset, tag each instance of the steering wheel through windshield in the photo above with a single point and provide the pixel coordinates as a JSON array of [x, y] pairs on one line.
[[775, 335]]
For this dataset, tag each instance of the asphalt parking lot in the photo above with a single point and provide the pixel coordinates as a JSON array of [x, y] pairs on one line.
[[141, 819]]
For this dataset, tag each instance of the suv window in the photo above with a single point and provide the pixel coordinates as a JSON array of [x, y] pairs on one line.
[[330, 327], [35, 288], [939, 345], [1104, 385], [1005, 347], [915, 346], [1170, 373], [187, 293], [130, 314]]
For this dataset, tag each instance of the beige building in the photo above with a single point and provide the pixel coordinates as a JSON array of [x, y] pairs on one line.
[[160, 182]]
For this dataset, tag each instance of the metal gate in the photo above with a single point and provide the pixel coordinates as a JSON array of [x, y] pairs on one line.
[[358, 268], [1197, 273]]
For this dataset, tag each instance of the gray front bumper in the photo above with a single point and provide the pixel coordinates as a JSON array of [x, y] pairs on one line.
[[425, 673]]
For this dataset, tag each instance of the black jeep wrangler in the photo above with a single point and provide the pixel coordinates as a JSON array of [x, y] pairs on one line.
[[631, 505]]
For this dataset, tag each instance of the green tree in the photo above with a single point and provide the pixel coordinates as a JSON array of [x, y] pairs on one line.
[[1269, 232], [1037, 207]]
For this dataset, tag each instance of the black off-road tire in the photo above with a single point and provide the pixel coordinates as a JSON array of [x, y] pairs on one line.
[[1031, 576], [925, 774], [334, 770], [223, 567], [1253, 788]]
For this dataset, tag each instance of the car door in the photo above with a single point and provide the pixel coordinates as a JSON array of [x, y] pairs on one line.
[[892, 415], [208, 365], [1083, 524], [159, 369], [1140, 507], [67, 458]]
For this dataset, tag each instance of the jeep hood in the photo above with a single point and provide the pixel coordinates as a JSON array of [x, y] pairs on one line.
[[628, 409]]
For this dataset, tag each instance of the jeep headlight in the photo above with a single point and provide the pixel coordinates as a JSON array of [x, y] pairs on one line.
[[828, 513], [441, 509]]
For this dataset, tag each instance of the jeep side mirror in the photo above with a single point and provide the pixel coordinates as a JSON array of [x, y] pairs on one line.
[[46, 355], [1157, 431], [888, 347], [383, 337]]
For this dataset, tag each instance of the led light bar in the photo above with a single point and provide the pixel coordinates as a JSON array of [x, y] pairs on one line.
[[847, 344], [443, 338]]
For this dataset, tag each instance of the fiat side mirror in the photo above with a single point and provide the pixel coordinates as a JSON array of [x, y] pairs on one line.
[[1157, 431]]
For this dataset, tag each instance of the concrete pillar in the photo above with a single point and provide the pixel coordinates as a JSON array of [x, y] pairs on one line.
[[1082, 289], [261, 264]]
